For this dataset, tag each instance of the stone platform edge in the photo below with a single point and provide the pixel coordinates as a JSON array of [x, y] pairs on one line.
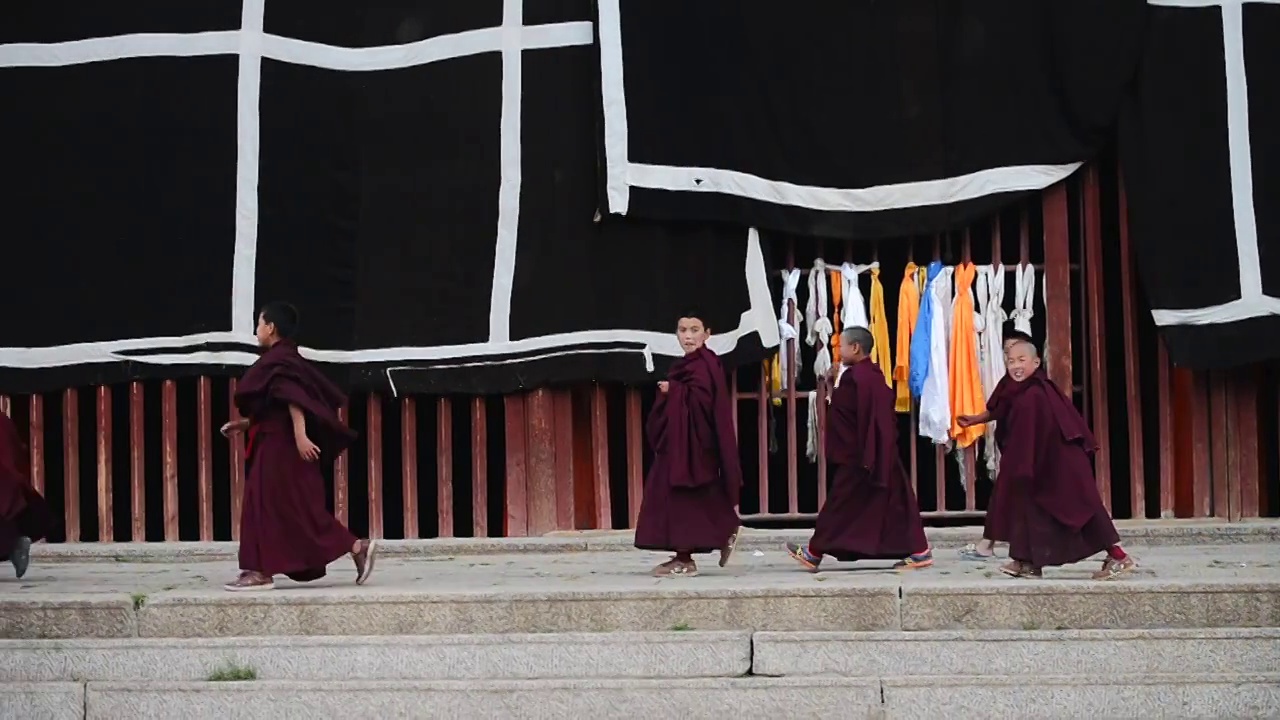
[[1135, 532], [957, 605], [1146, 695]]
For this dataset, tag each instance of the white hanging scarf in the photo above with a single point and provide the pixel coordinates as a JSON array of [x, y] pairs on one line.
[[990, 326], [811, 444], [788, 322], [935, 400], [943, 284], [815, 314], [853, 312], [1024, 288]]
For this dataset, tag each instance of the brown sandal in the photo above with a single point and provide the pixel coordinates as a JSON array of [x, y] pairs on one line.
[[676, 568], [1112, 569], [1019, 569], [250, 581], [364, 560], [727, 550]]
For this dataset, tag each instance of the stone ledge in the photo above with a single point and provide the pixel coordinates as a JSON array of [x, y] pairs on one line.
[[1106, 696], [1000, 652], [59, 616], [1069, 604], [44, 700], [1140, 532], [744, 698], [439, 657], [369, 613]]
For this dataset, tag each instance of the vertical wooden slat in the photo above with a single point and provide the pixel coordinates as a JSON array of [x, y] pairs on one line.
[[409, 466], [479, 469], [444, 466], [600, 456], [106, 519], [1092, 267], [71, 463], [1057, 281], [341, 472], [1132, 380], [36, 441], [169, 457], [204, 456], [1201, 445], [762, 432], [1164, 383], [6, 405], [824, 392], [540, 421], [1220, 443], [236, 449], [1246, 389], [137, 465], [373, 407], [565, 479], [517, 467], [635, 455]]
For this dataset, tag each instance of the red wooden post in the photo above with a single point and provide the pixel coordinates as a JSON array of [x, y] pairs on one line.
[[444, 467], [373, 407], [106, 521], [1133, 395], [1057, 281], [1096, 322], [517, 467], [71, 463], [409, 467], [137, 465], [169, 457], [204, 456], [479, 469]]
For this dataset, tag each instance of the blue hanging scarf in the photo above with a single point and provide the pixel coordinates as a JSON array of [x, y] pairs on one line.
[[922, 340]]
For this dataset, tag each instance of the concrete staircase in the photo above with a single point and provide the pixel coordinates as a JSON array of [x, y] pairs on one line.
[[589, 635]]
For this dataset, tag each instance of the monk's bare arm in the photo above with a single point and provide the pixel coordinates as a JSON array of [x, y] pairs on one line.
[[979, 419], [299, 423]]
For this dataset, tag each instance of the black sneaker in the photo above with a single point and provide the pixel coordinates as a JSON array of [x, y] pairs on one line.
[[20, 556]]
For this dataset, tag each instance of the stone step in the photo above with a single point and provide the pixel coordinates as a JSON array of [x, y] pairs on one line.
[[878, 602], [689, 654], [952, 697], [1000, 652]]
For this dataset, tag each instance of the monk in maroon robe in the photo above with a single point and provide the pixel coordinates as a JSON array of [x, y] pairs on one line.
[[1053, 514], [871, 511], [24, 515], [291, 415], [691, 492], [994, 528]]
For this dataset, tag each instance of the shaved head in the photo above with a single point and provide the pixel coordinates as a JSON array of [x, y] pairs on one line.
[[859, 336], [1026, 347]]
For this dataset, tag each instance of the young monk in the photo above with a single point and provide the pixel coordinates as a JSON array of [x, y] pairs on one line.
[[291, 414], [24, 515], [691, 492], [871, 511], [994, 527], [1054, 513]]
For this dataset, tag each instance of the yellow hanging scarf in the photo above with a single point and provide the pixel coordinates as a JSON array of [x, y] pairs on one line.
[[908, 313], [881, 354]]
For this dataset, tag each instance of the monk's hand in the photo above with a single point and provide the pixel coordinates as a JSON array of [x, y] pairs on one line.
[[663, 386], [965, 421], [308, 449], [233, 427]]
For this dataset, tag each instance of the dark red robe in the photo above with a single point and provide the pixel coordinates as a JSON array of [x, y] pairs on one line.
[[23, 511], [696, 476], [1054, 513], [285, 526], [996, 526], [871, 510]]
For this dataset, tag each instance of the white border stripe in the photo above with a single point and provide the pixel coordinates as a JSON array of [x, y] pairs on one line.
[[388, 57], [504, 256], [245, 260], [1209, 3], [614, 97], [870, 199], [119, 47], [1234, 311]]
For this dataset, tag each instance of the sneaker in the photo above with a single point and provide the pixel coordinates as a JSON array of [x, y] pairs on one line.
[[20, 556], [801, 555], [919, 561]]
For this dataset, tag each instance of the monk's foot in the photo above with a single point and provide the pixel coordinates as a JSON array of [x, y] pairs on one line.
[[675, 567], [801, 554], [1020, 569], [727, 550], [364, 557], [250, 581], [972, 552], [918, 561], [20, 556], [1112, 569]]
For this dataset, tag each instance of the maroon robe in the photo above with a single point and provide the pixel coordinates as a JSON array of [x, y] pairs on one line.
[[23, 511], [871, 510], [996, 526], [1054, 513], [285, 526], [694, 482]]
